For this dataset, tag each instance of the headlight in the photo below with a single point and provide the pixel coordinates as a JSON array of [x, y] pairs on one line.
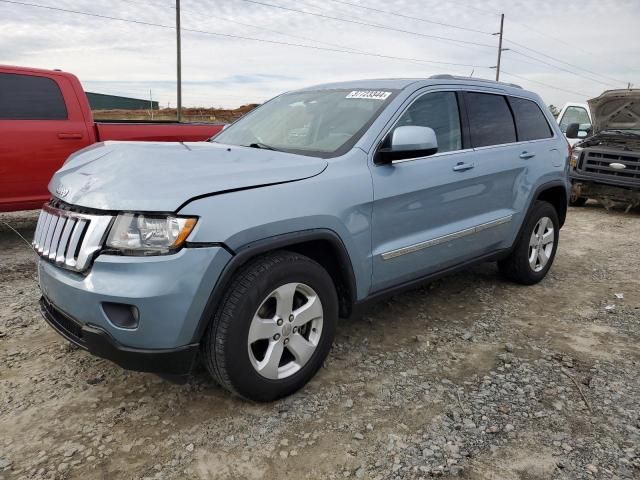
[[575, 157], [137, 234]]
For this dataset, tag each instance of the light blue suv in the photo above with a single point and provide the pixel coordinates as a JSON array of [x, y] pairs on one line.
[[244, 250]]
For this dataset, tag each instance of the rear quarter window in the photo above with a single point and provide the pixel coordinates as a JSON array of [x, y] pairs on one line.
[[490, 119], [531, 123], [28, 97]]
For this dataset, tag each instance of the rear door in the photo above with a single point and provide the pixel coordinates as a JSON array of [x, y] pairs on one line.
[[433, 212], [508, 176], [41, 124], [538, 152]]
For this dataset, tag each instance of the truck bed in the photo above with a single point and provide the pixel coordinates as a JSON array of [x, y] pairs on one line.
[[155, 131], [48, 119]]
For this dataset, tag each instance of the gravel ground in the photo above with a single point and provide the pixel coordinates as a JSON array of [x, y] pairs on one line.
[[470, 376]]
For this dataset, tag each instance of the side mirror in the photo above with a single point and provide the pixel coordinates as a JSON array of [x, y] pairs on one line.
[[578, 130], [573, 130], [408, 141]]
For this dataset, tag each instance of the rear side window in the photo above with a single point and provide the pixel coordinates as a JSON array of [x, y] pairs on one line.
[[27, 97], [439, 111], [530, 121], [490, 119]]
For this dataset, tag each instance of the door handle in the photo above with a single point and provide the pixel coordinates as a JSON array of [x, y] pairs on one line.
[[69, 136], [461, 166], [527, 155]]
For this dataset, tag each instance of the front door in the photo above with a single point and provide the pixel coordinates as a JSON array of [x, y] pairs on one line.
[[432, 212]]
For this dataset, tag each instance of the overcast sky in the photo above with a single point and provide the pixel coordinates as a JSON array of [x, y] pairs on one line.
[[599, 38]]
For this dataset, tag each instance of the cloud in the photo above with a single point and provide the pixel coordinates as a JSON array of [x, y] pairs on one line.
[[111, 56]]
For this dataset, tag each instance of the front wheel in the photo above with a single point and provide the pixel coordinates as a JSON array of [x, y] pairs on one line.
[[575, 199], [534, 252], [274, 327]]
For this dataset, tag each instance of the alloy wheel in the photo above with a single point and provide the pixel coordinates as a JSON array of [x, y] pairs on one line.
[[541, 244], [285, 331]]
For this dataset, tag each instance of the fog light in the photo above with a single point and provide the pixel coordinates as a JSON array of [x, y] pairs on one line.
[[121, 314]]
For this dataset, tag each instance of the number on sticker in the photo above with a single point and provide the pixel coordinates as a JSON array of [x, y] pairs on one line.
[[369, 94]]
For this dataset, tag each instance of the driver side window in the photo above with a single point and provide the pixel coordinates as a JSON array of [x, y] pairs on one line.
[[439, 111], [574, 115]]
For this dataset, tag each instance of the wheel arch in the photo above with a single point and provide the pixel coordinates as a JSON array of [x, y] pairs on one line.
[[556, 195], [322, 245]]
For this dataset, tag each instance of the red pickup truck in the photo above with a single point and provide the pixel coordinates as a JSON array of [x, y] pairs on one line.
[[45, 117]]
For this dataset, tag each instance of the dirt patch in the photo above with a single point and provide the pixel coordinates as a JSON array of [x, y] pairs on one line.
[[470, 376]]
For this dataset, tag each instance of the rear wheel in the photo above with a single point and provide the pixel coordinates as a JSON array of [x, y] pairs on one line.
[[274, 327], [533, 254]]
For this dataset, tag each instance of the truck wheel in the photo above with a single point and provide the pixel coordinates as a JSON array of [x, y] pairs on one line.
[[533, 254], [575, 199], [273, 328]]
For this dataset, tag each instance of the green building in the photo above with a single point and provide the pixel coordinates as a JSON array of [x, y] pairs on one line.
[[100, 101]]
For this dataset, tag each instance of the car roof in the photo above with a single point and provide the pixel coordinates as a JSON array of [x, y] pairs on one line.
[[402, 83]]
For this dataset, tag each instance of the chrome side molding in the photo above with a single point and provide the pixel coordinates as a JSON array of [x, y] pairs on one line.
[[445, 238]]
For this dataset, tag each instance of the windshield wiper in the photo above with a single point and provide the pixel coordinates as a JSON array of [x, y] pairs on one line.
[[261, 145]]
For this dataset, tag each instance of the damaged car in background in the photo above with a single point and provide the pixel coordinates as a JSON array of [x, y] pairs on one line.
[[606, 165]]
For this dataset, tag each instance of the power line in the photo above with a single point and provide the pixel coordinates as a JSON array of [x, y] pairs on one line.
[[545, 84], [239, 37], [542, 54], [544, 34], [517, 52], [479, 10], [373, 25], [560, 40], [226, 35], [419, 19], [324, 7], [277, 32], [512, 42]]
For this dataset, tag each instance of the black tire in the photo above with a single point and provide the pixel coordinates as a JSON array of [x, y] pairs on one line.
[[576, 201], [225, 348], [516, 266]]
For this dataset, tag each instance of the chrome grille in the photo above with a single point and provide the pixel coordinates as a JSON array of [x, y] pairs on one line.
[[599, 161], [69, 239]]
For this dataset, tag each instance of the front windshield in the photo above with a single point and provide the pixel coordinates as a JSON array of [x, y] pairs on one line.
[[320, 123]]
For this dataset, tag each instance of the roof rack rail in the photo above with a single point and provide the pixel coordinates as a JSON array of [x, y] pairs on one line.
[[446, 76]]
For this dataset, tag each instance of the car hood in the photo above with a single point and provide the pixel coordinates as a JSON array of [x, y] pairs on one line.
[[616, 110], [146, 176]]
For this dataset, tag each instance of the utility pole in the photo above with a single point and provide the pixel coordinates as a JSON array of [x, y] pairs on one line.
[[500, 47], [151, 103], [179, 60]]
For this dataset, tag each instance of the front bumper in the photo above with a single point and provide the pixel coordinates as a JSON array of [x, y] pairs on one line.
[[604, 189], [608, 180], [168, 292], [95, 340]]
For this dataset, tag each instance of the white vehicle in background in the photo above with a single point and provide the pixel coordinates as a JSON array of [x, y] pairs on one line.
[[575, 113]]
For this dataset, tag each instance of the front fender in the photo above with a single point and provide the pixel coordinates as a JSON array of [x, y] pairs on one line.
[[339, 200]]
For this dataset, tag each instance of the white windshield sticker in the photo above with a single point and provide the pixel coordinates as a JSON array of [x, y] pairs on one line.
[[369, 94]]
